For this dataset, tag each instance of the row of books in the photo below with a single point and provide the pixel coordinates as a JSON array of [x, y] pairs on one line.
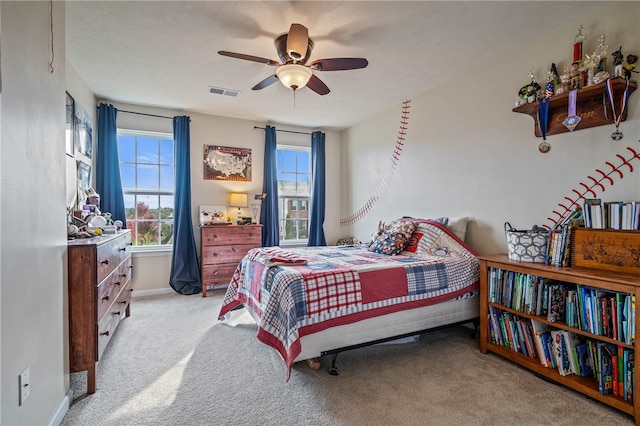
[[609, 314], [558, 244], [611, 214], [611, 365], [599, 312]]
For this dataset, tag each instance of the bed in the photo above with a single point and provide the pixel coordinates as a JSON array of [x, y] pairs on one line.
[[414, 275]]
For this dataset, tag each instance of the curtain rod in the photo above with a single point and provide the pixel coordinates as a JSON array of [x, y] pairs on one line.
[[286, 131], [141, 113]]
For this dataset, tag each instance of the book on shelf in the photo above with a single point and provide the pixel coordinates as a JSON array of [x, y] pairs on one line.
[[561, 352], [607, 354], [556, 303], [589, 211], [585, 359], [629, 359], [538, 329]]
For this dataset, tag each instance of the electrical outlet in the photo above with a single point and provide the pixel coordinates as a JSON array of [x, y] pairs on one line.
[[24, 385]]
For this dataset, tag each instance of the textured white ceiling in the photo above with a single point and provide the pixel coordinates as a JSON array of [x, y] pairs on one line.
[[165, 53]]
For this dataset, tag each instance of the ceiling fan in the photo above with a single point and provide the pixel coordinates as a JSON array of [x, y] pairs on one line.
[[294, 49]]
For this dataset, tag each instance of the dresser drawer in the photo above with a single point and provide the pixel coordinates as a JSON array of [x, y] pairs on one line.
[[225, 254], [109, 289], [224, 235], [116, 311], [218, 274], [111, 254]]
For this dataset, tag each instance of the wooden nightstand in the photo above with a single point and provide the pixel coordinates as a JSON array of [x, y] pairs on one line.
[[222, 247]]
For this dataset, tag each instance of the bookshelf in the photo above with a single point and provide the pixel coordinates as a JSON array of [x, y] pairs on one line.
[[611, 282]]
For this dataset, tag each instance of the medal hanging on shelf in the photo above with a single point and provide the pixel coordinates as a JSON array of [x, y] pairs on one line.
[[543, 120], [572, 119], [617, 135]]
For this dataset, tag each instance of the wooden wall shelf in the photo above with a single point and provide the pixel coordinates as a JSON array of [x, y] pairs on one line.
[[591, 104]]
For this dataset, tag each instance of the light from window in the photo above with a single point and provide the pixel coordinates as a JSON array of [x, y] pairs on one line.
[[294, 193], [147, 169]]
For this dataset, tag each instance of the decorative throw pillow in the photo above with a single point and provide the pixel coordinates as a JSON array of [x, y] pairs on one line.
[[404, 226], [390, 243], [412, 242]]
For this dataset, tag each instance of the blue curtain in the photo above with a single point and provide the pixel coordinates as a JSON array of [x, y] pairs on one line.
[[185, 270], [269, 211], [316, 222], [108, 183]]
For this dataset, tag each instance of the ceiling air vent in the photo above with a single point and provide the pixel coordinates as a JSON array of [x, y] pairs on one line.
[[222, 91]]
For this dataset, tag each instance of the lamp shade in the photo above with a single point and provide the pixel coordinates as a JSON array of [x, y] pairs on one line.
[[238, 199], [293, 76]]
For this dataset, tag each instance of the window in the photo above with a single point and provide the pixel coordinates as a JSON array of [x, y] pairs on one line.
[[294, 193], [147, 168]]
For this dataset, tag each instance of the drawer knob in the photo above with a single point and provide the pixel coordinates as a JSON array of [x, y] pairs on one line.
[[123, 275], [105, 298], [105, 333], [129, 244], [105, 262], [124, 302], [123, 249], [116, 313], [117, 283]]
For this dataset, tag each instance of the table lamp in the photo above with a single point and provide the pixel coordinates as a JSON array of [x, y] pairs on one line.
[[239, 200]]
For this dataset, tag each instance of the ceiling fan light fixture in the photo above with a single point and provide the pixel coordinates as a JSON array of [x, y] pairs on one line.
[[293, 76]]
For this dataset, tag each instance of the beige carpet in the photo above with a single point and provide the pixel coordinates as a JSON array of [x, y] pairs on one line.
[[173, 363]]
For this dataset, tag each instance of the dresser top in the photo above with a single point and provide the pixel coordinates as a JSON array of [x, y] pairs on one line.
[[99, 240]]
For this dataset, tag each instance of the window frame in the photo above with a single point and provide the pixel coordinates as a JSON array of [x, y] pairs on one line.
[[282, 198], [158, 248]]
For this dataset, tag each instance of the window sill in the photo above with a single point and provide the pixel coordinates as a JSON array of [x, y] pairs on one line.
[[151, 251]]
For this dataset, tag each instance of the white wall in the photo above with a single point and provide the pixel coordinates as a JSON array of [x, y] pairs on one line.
[[467, 153], [32, 213]]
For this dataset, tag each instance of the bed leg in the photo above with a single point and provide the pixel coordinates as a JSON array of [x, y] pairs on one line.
[[333, 370], [476, 328], [314, 364]]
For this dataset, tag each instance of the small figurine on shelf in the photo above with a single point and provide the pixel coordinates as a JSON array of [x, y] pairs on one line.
[[617, 62], [574, 82], [630, 66], [107, 218]]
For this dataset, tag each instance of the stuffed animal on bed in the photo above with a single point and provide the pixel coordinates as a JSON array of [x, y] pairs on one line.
[[348, 241]]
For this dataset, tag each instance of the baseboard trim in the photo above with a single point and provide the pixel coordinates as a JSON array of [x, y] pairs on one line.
[[152, 292], [62, 410]]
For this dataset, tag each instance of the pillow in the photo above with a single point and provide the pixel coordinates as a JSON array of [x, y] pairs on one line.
[[391, 239], [412, 242], [458, 225], [389, 242]]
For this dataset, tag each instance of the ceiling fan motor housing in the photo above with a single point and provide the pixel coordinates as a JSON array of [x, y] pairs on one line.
[[281, 48]]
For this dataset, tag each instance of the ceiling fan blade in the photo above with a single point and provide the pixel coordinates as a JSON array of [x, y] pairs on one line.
[[248, 57], [339, 64], [297, 41], [317, 86], [266, 82]]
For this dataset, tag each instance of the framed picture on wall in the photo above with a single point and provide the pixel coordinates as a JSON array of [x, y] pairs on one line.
[[84, 181], [69, 104], [82, 131], [227, 163]]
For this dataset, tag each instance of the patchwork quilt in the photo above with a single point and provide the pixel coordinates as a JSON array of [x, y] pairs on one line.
[[300, 291]]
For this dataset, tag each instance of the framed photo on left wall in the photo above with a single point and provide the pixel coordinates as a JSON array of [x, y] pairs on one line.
[[69, 133]]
